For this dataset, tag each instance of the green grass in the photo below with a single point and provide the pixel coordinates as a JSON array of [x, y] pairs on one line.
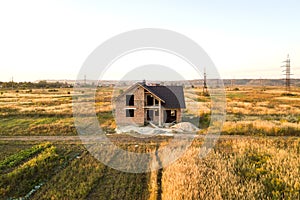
[[235, 95], [253, 166], [68, 171], [22, 155], [12, 122], [36, 125], [36, 169], [29, 174], [8, 148], [87, 178]]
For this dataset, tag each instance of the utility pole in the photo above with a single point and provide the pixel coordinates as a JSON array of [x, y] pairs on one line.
[[12, 83], [84, 80], [232, 83], [205, 92], [287, 74], [262, 83]]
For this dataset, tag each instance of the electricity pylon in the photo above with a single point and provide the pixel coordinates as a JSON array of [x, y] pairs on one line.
[[287, 74]]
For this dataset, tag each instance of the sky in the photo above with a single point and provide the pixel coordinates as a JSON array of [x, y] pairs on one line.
[[51, 39]]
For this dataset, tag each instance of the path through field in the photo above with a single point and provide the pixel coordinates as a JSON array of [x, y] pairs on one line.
[[77, 138]]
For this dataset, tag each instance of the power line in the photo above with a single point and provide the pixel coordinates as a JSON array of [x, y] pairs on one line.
[[287, 73]]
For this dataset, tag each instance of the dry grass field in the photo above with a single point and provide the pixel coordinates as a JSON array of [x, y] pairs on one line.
[[261, 162], [47, 112], [243, 168], [250, 111], [237, 168], [265, 111]]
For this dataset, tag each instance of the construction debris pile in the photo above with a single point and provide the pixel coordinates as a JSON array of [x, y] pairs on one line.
[[183, 127]]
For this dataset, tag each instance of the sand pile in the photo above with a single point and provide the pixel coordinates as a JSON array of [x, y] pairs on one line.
[[185, 127]]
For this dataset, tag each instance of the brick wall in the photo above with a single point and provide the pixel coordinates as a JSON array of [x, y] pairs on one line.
[[178, 115], [139, 114], [139, 111]]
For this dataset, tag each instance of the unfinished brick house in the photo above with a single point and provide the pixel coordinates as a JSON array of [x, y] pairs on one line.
[[141, 104]]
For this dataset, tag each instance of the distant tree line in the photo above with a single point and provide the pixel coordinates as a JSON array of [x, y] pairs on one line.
[[31, 85]]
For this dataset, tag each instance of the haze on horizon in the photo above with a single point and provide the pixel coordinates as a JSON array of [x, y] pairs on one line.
[[51, 39]]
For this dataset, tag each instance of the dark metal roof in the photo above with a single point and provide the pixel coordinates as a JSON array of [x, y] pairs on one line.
[[172, 95], [136, 85]]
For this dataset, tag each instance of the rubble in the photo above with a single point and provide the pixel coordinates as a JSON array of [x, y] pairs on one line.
[[185, 127], [154, 130]]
